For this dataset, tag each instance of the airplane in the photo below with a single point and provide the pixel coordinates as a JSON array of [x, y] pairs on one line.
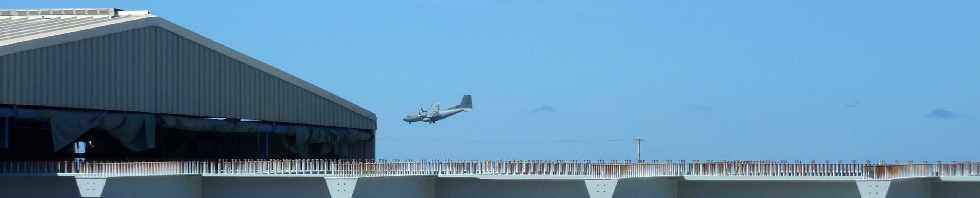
[[435, 114]]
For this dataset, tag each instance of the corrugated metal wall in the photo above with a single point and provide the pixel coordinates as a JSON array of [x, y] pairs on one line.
[[156, 71]]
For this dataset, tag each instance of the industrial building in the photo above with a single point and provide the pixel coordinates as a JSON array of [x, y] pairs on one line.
[[131, 85]]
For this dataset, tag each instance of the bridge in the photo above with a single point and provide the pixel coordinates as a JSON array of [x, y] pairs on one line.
[[491, 178]]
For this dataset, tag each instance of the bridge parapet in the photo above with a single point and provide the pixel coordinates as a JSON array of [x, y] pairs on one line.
[[584, 169]]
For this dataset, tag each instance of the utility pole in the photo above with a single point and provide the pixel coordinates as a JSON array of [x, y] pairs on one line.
[[636, 141]]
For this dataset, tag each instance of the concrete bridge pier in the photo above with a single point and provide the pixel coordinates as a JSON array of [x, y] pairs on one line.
[[601, 188], [341, 187], [90, 186]]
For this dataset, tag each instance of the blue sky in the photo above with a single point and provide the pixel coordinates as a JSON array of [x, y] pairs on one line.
[[754, 79]]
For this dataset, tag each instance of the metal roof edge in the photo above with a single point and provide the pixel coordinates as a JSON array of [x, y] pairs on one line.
[[114, 26], [163, 23]]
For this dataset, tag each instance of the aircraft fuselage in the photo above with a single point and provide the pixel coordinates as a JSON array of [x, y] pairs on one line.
[[432, 117], [435, 114]]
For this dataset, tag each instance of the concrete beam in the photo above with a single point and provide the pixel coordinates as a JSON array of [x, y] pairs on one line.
[[896, 188], [175, 186], [341, 187], [960, 178], [178, 186], [90, 186], [911, 188], [648, 187], [773, 178], [396, 186], [38, 186], [193, 186], [265, 187], [516, 188], [601, 188], [795, 189], [873, 188], [957, 189], [393, 186]]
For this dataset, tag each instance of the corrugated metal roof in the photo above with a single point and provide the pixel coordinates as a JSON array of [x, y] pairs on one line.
[[38, 22], [23, 25], [22, 30], [19, 27], [60, 12]]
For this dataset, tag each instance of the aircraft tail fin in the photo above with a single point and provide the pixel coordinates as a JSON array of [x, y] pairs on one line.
[[467, 103]]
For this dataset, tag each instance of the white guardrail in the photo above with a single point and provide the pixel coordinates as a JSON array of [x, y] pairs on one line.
[[587, 168]]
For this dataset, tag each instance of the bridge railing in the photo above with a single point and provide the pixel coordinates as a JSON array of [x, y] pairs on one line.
[[586, 169], [100, 168]]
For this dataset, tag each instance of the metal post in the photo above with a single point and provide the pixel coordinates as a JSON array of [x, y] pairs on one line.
[[79, 149], [636, 141], [9, 126], [268, 136], [6, 133]]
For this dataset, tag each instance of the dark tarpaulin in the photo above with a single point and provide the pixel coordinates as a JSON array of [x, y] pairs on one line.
[[306, 140], [319, 140], [210, 125], [135, 131], [7, 116], [310, 134], [14, 112]]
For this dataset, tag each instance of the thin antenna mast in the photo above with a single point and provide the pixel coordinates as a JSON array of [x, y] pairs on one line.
[[637, 141]]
